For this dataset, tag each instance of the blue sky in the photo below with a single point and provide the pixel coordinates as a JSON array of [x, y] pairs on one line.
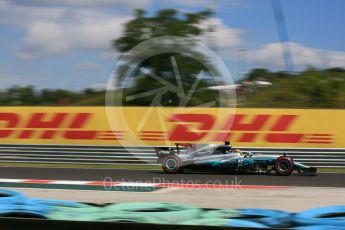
[[66, 44]]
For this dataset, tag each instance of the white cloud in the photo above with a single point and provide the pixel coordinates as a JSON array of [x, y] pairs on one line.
[[85, 30], [99, 86], [86, 3], [204, 3], [270, 55], [208, 3], [89, 30], [59, 29], [87, 66], [226, 36], [222, 35], [18, 15], [54, 28], [11, 79], [3, 5]]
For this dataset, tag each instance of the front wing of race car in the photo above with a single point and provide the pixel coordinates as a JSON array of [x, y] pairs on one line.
[[301, 168]]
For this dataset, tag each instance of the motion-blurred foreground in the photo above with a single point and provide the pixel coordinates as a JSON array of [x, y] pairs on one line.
[[16, 205]]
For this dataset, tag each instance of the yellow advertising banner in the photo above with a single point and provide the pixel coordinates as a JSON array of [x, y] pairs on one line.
[[149, 126]]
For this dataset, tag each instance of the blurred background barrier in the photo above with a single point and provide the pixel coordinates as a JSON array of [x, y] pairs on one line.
[[113, 155], [165, 214]]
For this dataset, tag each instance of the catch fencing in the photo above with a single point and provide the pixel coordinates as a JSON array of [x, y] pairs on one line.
[[115, 155]]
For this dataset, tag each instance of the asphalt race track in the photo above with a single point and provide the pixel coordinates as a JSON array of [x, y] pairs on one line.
[[157, 176]]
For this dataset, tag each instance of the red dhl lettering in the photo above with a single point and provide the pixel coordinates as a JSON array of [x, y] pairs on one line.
[[183, 132], [196, 127], [186, 128], [46, 126]]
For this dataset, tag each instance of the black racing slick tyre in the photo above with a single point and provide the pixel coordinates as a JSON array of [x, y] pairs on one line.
[[172, 164], [283, 166]]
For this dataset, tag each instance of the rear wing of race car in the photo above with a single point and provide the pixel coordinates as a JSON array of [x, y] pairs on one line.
[[162, 151]]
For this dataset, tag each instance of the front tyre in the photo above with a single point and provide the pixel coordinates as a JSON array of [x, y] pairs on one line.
[[283, 166], [172, 164]]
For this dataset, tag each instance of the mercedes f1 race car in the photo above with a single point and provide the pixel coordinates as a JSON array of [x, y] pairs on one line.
[[176, 159]]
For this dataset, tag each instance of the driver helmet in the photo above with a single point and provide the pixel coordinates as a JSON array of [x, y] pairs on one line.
[[228, 144]]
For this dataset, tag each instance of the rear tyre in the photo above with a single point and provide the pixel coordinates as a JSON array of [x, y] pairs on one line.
[[283, 166], [172, 164]]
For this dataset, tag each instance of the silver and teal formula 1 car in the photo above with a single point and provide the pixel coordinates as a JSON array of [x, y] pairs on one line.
[[176, 159]]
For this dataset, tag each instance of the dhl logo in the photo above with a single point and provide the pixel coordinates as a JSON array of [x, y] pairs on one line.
[[185, 128], [52, 125], [196, 127]]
